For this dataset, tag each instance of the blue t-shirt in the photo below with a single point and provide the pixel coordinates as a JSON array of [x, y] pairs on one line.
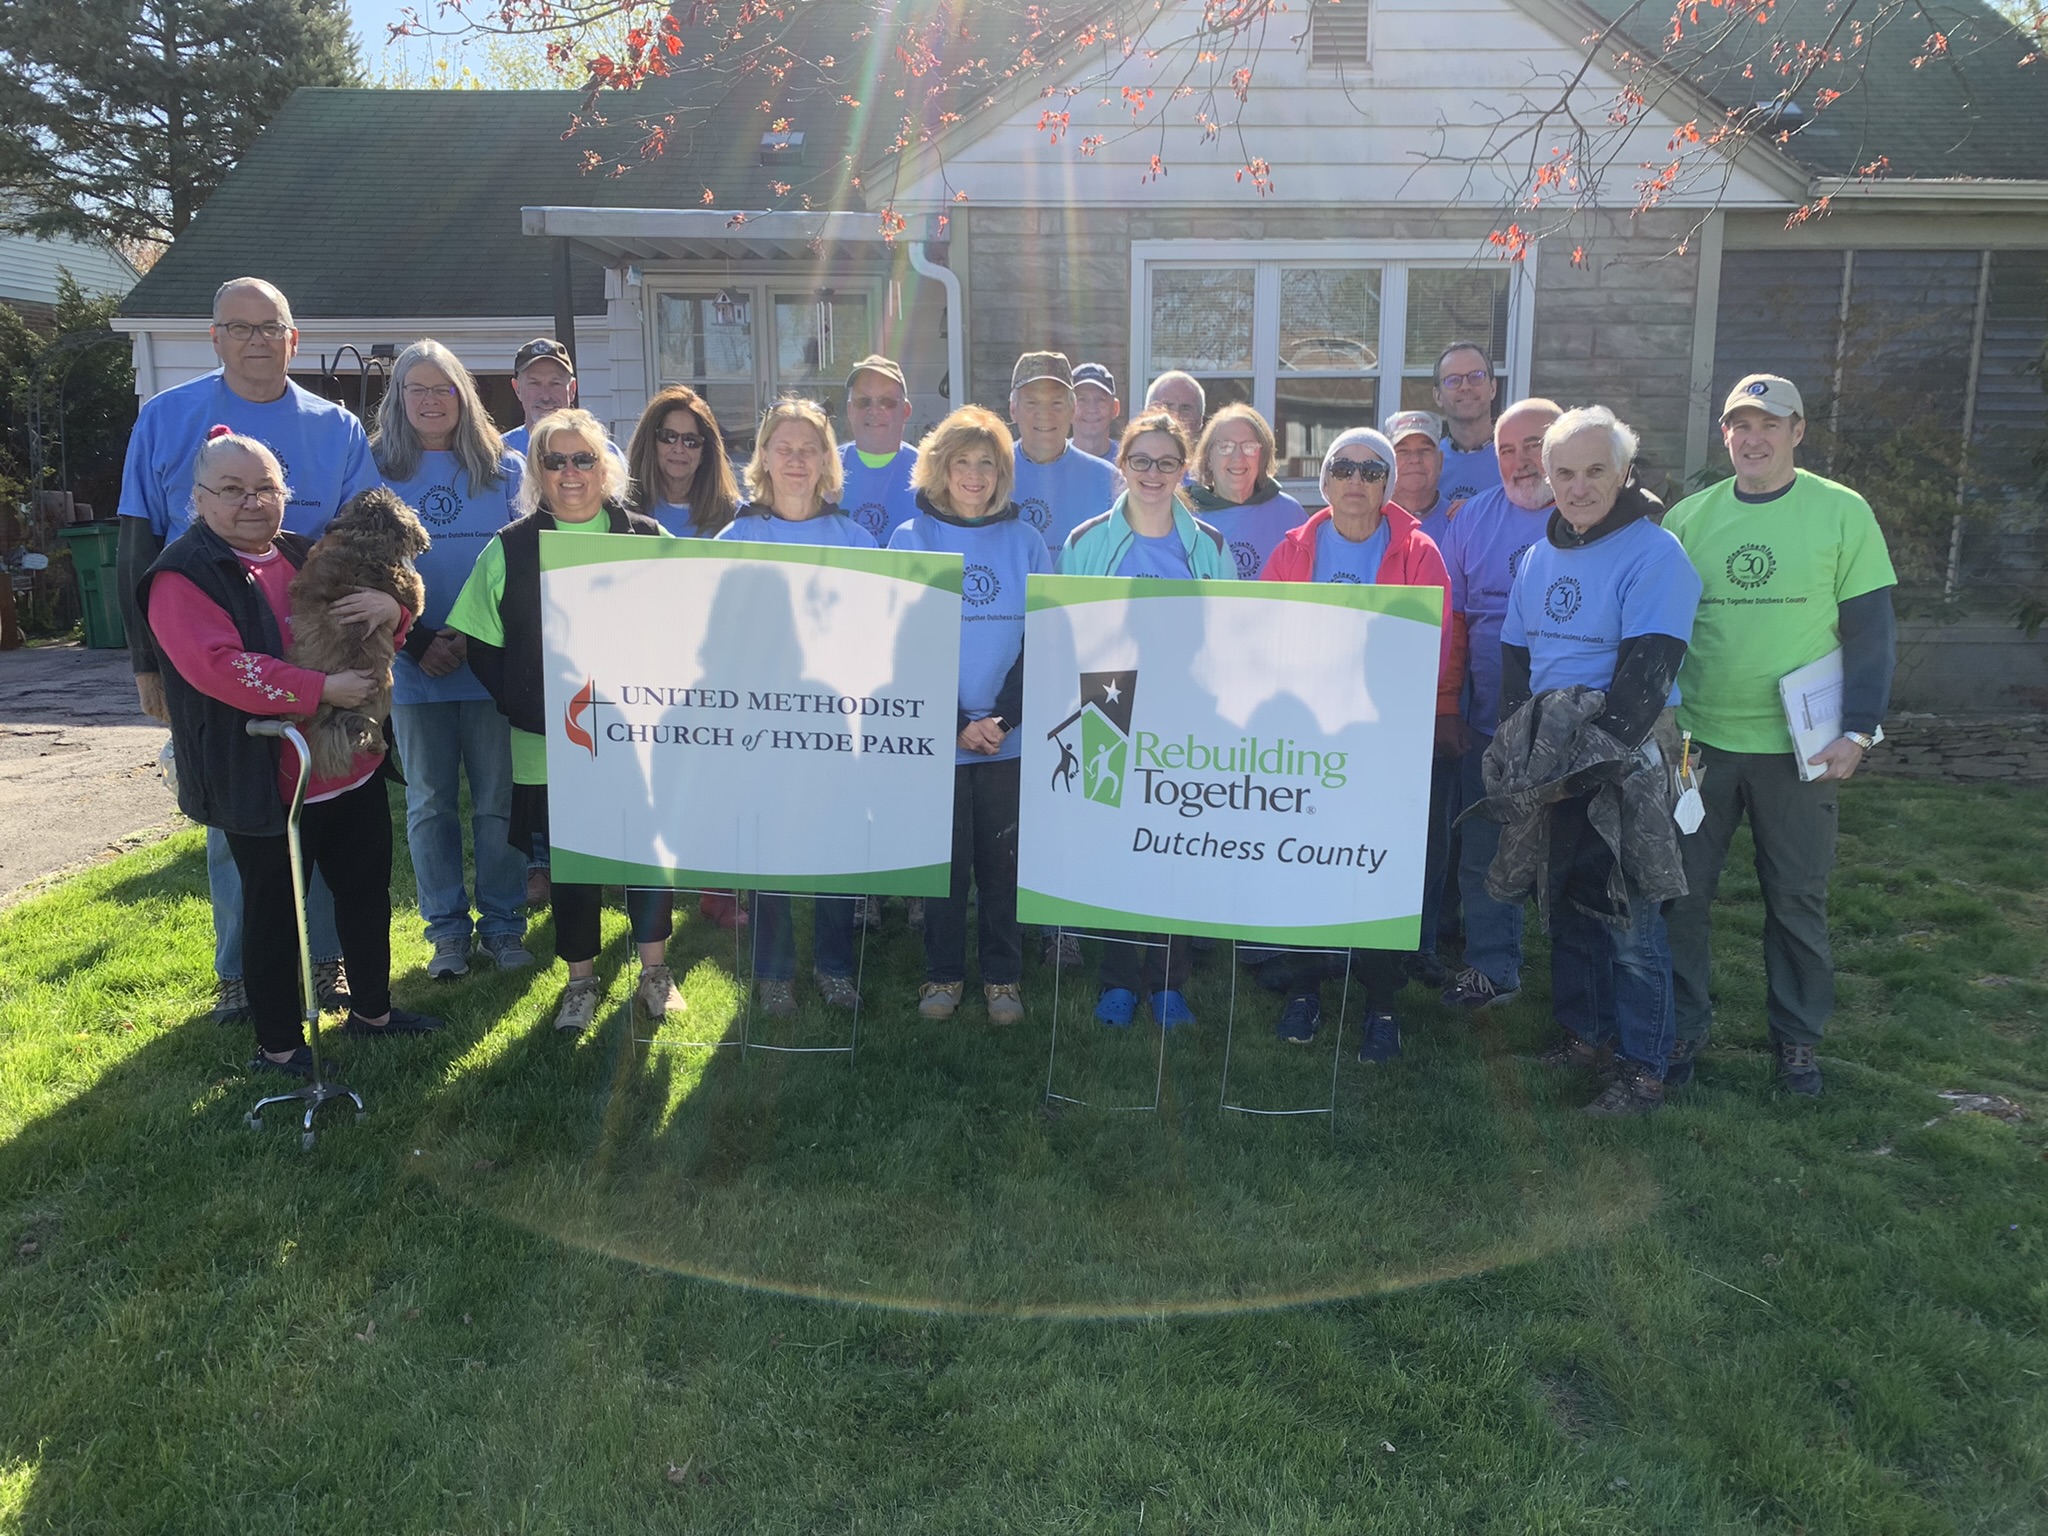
[[1252, 532], [1466, 474], [321, 447], [1059, 497], [831, 528], [516, 441], [1163, 556], [1573, 607], [878, 499], [676, 520], [1483, 548], [997, 557], [1338, 559], [460, 521]]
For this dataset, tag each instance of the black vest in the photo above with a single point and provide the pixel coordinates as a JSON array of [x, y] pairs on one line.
[[519, 688], [226, 777]]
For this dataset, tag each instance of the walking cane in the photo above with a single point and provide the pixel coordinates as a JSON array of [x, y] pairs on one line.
[[319, 1091]]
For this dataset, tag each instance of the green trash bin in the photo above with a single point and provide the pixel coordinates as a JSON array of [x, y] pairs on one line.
[[94, 548]]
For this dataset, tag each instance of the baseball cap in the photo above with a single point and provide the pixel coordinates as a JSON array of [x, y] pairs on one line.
[[1096, 374], [1033, 366], [884, 367], [1407, 423], [538, 348], [1768, 392]]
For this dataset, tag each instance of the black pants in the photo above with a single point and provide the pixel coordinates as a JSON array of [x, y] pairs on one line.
[[348, 839], [1381, 972], [985, 853], [579, 909], [1150, 962]]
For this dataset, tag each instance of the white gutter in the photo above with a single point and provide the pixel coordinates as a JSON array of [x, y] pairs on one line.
[[1925, 188], [701, 224], [956, 333]]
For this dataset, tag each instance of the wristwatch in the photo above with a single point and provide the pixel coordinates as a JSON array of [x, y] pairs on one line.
[[1861, 740], [1002, 725]]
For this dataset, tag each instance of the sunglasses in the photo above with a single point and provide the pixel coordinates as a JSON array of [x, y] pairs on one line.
[[1475, 378], [555, 463], [1145, 464], [1371, 471], [668, 437]]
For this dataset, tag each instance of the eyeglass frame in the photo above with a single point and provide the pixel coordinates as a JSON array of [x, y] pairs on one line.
[[1358, 469], [1475, 377], [245, 330], [555, 463], [1145, 463], [259, 494], [669, 437]]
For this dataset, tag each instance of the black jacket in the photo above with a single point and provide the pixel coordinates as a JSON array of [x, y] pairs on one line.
[[226, 777]]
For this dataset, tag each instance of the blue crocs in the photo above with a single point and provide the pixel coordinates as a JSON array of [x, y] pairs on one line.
[[1171, 1010], [1116, 1007]]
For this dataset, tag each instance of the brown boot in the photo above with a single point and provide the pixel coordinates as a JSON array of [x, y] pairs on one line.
[[1635, 1091], [1573, 1051]]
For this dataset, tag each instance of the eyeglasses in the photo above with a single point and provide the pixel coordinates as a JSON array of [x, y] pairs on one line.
[[420, 394], [1237, 450], [1475, 378], [1371, 471], [1145, 464], [242, 330], [555, 463], [669, 437], [262, 495]]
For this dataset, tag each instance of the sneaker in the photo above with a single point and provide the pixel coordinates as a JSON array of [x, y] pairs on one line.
[[402, 1021], [1571, 1052], [1475, 990], [232, 1005], [867, 913], [1116, 1007], [579, 1005], [657, 993], [1678, 1070], [1063, 950], [1798, 1070], [1382, 1040], [1171, 1010], [1005, 1003], [540, 888], [451, 957], [777, 999], [838, 991], [330, 985], [913, 913], [298, 1064], [1425, 967], [1635, 1090], [938, 1001], [505, 951], [1299, 1020]]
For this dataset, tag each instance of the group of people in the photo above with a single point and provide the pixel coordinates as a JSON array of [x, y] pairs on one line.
[[1607, 701]]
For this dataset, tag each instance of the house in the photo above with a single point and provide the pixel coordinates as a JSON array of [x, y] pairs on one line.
[[1881, 235], [30, 264]]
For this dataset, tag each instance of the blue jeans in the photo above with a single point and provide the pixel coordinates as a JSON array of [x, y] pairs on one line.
[[1612, 985], [224, 888], [1493, 929], [775, 936], [436, 744]]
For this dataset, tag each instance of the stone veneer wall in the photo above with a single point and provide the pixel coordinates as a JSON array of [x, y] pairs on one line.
[[1964, 749]]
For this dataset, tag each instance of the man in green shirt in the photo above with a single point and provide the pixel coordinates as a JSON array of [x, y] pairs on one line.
[[1793, 565]]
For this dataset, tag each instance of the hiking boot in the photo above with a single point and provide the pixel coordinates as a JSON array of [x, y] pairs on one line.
[[838, 991], [540, 889], [1425, 967], [1678, 1070], [1636, 1090], [1798, 1070], [1063, 950], [505, 951], [232, 1005], [1116, 1007], [938, 1001], [1573, 1052], [1171, 1010], [657, 993], [1382, 1040], [579, 1005], [1300, 1019], [1005, 1003], [1474, 990], [777, 999], [451, 957], [330, 985], [913, 913]]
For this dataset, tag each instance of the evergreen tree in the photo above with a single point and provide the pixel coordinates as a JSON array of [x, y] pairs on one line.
[[118, 118]]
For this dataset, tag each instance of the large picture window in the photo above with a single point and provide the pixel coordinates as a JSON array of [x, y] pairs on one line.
[[1319, 337], [743, 344]]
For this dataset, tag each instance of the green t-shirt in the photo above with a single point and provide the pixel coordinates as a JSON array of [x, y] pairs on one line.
[[1774, 574], [476, 614]]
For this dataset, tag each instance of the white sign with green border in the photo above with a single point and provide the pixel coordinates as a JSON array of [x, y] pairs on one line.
[[1244, 760], [750, 716]]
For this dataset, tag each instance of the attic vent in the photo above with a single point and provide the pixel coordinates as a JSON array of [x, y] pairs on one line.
[[782, 149], [1339, 33]]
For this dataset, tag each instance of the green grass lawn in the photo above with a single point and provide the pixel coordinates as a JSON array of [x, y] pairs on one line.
[[586, 1286]]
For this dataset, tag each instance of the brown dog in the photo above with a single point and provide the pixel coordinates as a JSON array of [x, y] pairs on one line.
[[371, 543]]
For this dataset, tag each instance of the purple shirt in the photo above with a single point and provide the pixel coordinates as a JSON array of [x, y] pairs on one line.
[[1483, 549]]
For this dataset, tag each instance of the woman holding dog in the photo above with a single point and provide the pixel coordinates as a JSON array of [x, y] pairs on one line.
[[218, 608], [574, 484], [436, 448]]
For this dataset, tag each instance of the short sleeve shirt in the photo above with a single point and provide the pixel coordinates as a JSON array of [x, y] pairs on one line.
[[878, 499], [1059, 497], [1572, 608], [1164, 556]]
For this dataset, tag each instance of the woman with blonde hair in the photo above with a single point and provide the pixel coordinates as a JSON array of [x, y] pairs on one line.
[[966, 470], [1234, 491], [681, 475]]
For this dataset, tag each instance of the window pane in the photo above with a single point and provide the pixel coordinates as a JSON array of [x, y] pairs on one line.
[[1201, 320], [818, 336], [1309, 413], [1446, 305], [1330, 319], [709, 345]]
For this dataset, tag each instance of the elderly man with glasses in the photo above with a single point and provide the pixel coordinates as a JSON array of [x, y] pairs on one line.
[[326, 457]]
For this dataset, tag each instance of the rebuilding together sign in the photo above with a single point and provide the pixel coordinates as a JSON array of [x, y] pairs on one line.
[[1226, 758]]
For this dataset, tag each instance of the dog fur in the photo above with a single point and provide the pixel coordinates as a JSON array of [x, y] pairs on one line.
[[371, 542]]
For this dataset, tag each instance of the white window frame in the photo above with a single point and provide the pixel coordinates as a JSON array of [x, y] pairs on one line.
[[1394, 258], [760, 288]]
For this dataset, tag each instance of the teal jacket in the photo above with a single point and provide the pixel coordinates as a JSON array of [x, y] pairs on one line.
[[1098, 546]]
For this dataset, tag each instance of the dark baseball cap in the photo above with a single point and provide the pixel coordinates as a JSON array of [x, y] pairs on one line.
[[538, 348], [1033, 366], [1096, 374]]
